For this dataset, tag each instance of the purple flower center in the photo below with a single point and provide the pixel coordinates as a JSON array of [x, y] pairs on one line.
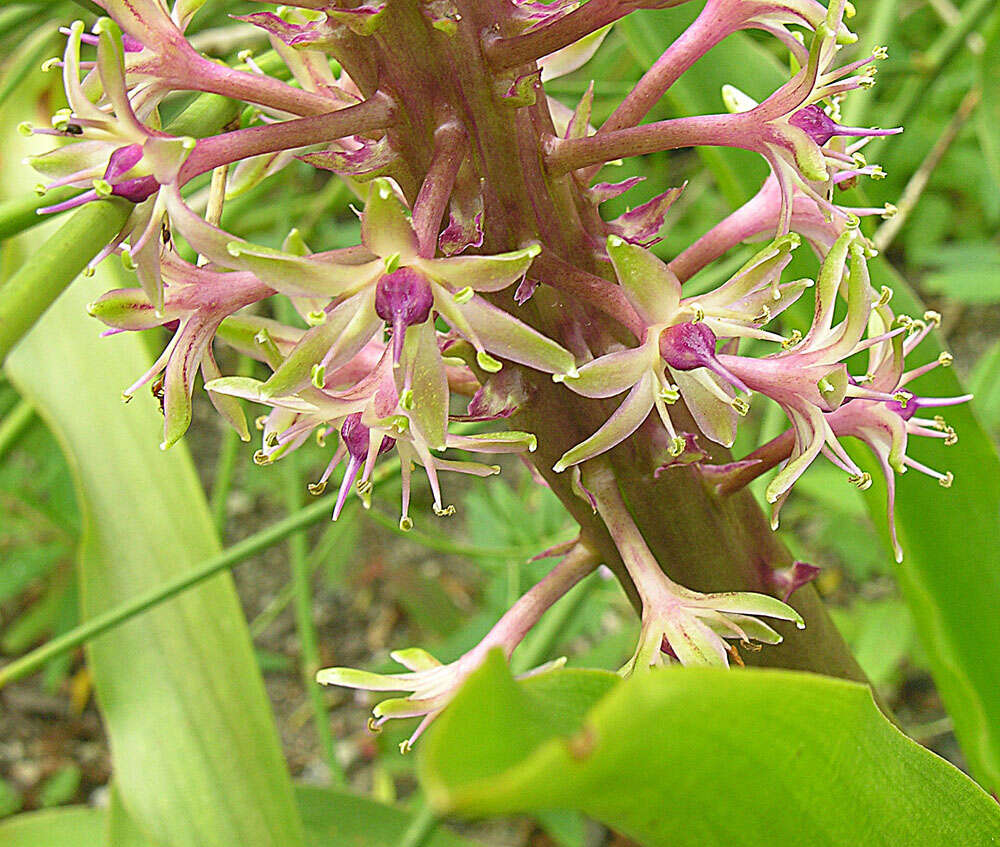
[[356, 438], [688, 346], [403, 298], [120, 163], [815, 123]]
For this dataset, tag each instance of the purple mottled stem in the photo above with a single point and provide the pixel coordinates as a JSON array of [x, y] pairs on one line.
[[707, 30], [201, 74], [450, 142], [373, 114], [588, 288], [526, 612], [568, 154], [599, 478], [760, 461], [740, 225], [520, 49]]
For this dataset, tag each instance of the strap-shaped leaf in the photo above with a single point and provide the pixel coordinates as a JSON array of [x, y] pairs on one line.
[[196, 755], [664, 756]]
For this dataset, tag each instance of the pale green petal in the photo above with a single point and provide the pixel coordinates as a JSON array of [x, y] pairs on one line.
[[348, 328], [716, 418], [573, 56], [402, 707], [510, 441], [651, 287], [614, 373], [302, 275], [415, 659], [248, 388], [366, 680], [694, 643], [480, 273], [421, 362], [748, 603], [507, 337], [626, 420], [385, 224], [227, 406]]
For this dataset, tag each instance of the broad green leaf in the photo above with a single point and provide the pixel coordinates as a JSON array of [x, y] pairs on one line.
[[950, 575], [196, 756], [701, 757], [332, 818], [335, 818], [984, 382], [988, 114], [74, 826]]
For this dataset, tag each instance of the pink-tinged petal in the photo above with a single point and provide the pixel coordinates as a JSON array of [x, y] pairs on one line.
[[691, 454], [810, 434], [626, 420], [361, 20], [302, 275], [642, 224], [129, 308], [277, 26], [500, 396], [651, 287], [694, 643], [147, 258], [613, 373], [228, 407], [786, 581], [480, 273], [579, 125], [511, 339], [207, 240], [470, 468], [178, 383], [346, 330], [603, 191], [369, 160], [422, 371], [385, 224], [145, 20], [465, 215]]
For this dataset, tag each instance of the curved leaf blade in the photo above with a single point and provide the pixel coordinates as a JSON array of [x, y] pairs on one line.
[[678, 756], [196, 755]]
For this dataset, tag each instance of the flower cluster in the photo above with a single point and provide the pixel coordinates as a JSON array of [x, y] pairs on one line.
[[474, 200]]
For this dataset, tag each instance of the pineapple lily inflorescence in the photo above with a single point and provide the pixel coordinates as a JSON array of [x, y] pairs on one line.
[[486, 271]]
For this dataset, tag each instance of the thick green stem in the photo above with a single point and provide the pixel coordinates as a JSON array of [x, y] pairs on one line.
[[54, 265]]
